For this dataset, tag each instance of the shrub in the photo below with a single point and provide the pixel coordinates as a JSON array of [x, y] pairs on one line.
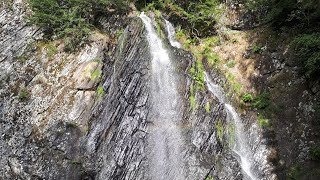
[[262, 101], [263, 122], [70, 19], [286, 12], [307, 48], [256, 49], [23, 94], [315, 153], [247, 98]]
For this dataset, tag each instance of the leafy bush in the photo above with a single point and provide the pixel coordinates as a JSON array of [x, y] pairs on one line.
[[198, 18], [247, 98], [307, 48], [263, 122], [315, 153], [256, 49], [70, 19], [262, 101], [286, 12]]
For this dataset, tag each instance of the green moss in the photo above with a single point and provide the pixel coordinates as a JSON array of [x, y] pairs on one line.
[[207, 107], [51, 50], [72, 125], [209, 178], [100, 92], [219, 129], [96, 74]]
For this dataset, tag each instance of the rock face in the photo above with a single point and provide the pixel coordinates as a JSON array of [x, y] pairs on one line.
[[43, 111], [117, 143], [56, 122]]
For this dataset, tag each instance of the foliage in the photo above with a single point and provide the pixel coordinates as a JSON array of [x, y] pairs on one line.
[[315, 153], [307, 48], [69, 19], [219, 129], [209, 178], [207, 107], [286, 12], [197, 18], [197, 74], [193, 102], [100, 91], [247, 98], [96, 74], [295, 172], [262, 101], [231, 63], [51, 50], [23, 94], [256, 48], [263, 122]]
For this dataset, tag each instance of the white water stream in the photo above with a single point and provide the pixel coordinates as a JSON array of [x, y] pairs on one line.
[[171, 35], [241, 146], [165, 142]]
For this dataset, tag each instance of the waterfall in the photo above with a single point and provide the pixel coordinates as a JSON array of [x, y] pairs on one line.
[[252, 159], [165, 137], [171, 35]]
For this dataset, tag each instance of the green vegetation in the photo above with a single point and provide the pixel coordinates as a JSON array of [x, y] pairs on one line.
[[287, 12], [193, 102], [210, 178], [197, 18], [315, 153], [262, 100], [207, 107], [100, 92], [256, 48], [231, 63], [263, 122], [295, 172], [219, 129], [51, 50], [23, 94], [71, 124], [69, 19], [197, 74], [96, 74], [247, 98], [307, 48]]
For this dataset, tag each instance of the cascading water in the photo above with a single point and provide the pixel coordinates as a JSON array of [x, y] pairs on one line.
[[171, 35], [252, 159], [165, 139]]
